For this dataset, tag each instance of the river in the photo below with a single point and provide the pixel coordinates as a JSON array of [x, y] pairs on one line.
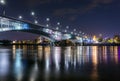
[[45, 63]]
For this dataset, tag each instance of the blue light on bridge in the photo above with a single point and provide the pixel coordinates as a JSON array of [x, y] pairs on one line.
[[10, 24], [25, 26], [20, 26], [17, 26]]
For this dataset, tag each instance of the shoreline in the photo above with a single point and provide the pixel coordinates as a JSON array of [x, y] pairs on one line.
[[91, 44]]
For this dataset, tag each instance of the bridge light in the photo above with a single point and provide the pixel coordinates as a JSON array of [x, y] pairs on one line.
[[74, 30], [65, 31], [47, 19], [67, 27], [13, 42], [71, 32], [57, 28], [47, 22], [36, 22], [47, 25], [32, 13], [58, 23], [75, 33], [2, 2], [20, 17]]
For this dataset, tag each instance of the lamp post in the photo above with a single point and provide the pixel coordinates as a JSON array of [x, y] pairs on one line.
[[67, 28], [2, 2], [33, 13], [47, 20], [35, 20], [58, 26]]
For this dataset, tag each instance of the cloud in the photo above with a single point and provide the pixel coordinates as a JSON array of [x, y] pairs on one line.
[[93, 4], [105, 1], [66, 11], [37, 2], [72, 18]]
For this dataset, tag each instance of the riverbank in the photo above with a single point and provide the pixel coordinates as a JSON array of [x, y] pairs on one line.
[[88, 44]]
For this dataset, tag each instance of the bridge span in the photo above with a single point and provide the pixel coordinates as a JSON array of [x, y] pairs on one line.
[[13, 24]]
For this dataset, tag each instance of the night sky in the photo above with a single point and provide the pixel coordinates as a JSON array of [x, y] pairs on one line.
[[90, 16]]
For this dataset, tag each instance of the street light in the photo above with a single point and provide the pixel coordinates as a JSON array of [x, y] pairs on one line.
[[57, 28], [36, 22], [74, 30], [75, 33], [71, 32], [47, 25], [67, 27], [33, 13], [47, 19], [58, 23], [65, 30], [20, 17], [83, 33], [2, 2]]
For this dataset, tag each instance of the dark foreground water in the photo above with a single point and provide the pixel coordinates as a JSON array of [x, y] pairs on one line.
[[82, 63]]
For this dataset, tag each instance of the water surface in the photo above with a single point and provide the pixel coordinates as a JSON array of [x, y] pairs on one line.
[[39, 63]]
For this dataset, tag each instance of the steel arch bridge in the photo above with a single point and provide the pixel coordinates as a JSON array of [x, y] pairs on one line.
[[12, 24]]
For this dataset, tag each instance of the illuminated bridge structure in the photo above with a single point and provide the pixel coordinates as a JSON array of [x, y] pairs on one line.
[[12, 24]]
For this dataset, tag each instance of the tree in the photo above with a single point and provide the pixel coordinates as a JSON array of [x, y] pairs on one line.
[[116, 38], [100, 39]]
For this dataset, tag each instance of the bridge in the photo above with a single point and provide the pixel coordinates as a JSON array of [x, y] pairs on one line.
[[13, 24]]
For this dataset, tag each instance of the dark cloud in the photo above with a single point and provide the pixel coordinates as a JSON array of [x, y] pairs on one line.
[[105, 1], [37, 2], [66, 11], [72, 18], [93, 4]]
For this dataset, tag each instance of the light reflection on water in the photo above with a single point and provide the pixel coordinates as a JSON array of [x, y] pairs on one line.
[[4, 62], [33, 63], [18, 66], [94, 73]]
